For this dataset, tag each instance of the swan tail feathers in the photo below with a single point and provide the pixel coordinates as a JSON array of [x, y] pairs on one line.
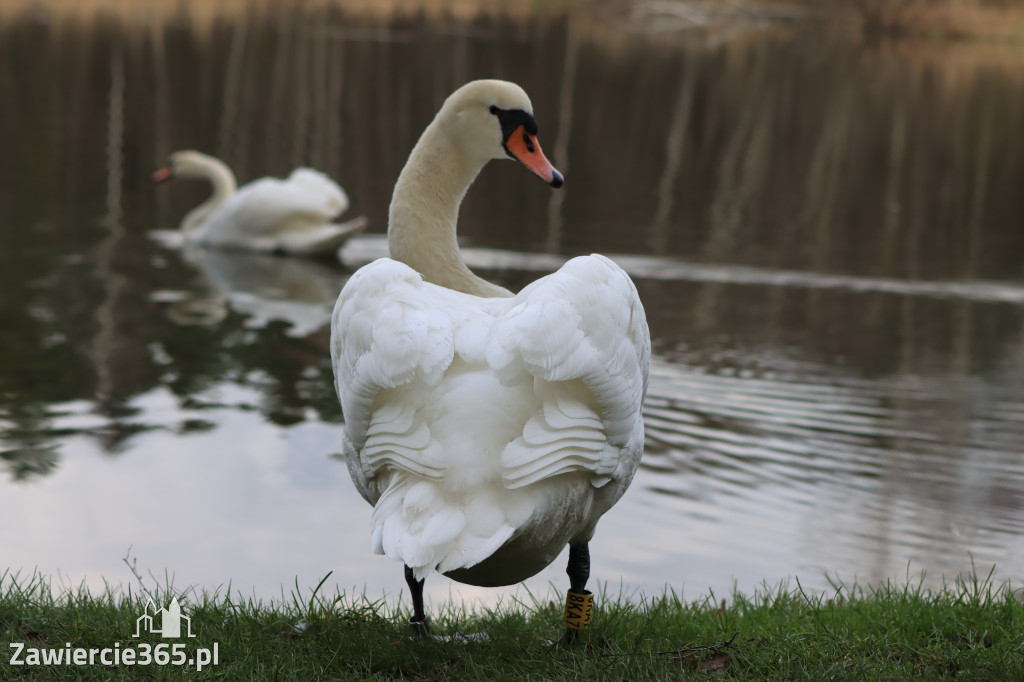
[[413, 523], [319, 239]]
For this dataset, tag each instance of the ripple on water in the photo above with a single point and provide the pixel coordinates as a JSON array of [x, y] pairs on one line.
[[868, 470]]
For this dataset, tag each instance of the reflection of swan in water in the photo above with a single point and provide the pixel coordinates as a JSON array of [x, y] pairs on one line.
[[261, 287], [268, 215]]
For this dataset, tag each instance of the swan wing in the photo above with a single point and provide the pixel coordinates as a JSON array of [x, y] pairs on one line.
[[390, 330], [330, 198], [581, 336], [468, 419], [269, 208]]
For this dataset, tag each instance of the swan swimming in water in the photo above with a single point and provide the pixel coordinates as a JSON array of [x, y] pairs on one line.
[[488, 430], [292, 216]]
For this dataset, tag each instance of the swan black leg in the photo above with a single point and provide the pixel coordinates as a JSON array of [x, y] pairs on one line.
[[419, 619], [578, 569], [579, 601]]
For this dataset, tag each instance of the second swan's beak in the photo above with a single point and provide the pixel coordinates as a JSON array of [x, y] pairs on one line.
[[163, 175], [525, 148]]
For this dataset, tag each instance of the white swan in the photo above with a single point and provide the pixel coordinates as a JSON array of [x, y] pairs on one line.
[[290, 216], [488, 430]]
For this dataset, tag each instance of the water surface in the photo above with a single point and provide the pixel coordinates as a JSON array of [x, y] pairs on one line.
[[826, 238]]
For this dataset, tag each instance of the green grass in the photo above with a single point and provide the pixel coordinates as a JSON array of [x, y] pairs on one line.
[[969, 630]]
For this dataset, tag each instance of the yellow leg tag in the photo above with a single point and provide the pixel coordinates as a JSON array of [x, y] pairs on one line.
[[577, 610]]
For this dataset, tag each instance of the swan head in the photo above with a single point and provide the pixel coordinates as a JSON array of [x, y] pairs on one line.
[[192, 165], [493, 119]]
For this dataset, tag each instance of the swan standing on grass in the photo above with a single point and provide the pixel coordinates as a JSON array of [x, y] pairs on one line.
[[488, 429], [291, 216]]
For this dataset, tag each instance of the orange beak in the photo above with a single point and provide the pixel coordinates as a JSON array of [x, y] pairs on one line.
[[164, 174], [525, 148]]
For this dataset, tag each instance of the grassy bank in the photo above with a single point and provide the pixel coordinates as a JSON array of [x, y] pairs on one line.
[[969, 630]]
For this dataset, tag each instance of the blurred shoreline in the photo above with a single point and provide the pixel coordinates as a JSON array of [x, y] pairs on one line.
[[929, 21], [204, 11]]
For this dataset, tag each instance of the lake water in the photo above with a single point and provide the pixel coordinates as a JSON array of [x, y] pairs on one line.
[[826, 236]]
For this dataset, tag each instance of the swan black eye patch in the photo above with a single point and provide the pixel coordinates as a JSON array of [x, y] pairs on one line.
[[510, 119]]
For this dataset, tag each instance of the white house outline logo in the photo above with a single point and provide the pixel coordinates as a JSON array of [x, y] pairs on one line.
[[170, 621]]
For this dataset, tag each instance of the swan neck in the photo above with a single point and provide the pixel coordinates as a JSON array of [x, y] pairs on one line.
[[224, 185], [222, 179], [425, 210]]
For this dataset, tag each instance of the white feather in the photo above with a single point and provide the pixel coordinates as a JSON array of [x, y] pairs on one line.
[[418, 377]]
